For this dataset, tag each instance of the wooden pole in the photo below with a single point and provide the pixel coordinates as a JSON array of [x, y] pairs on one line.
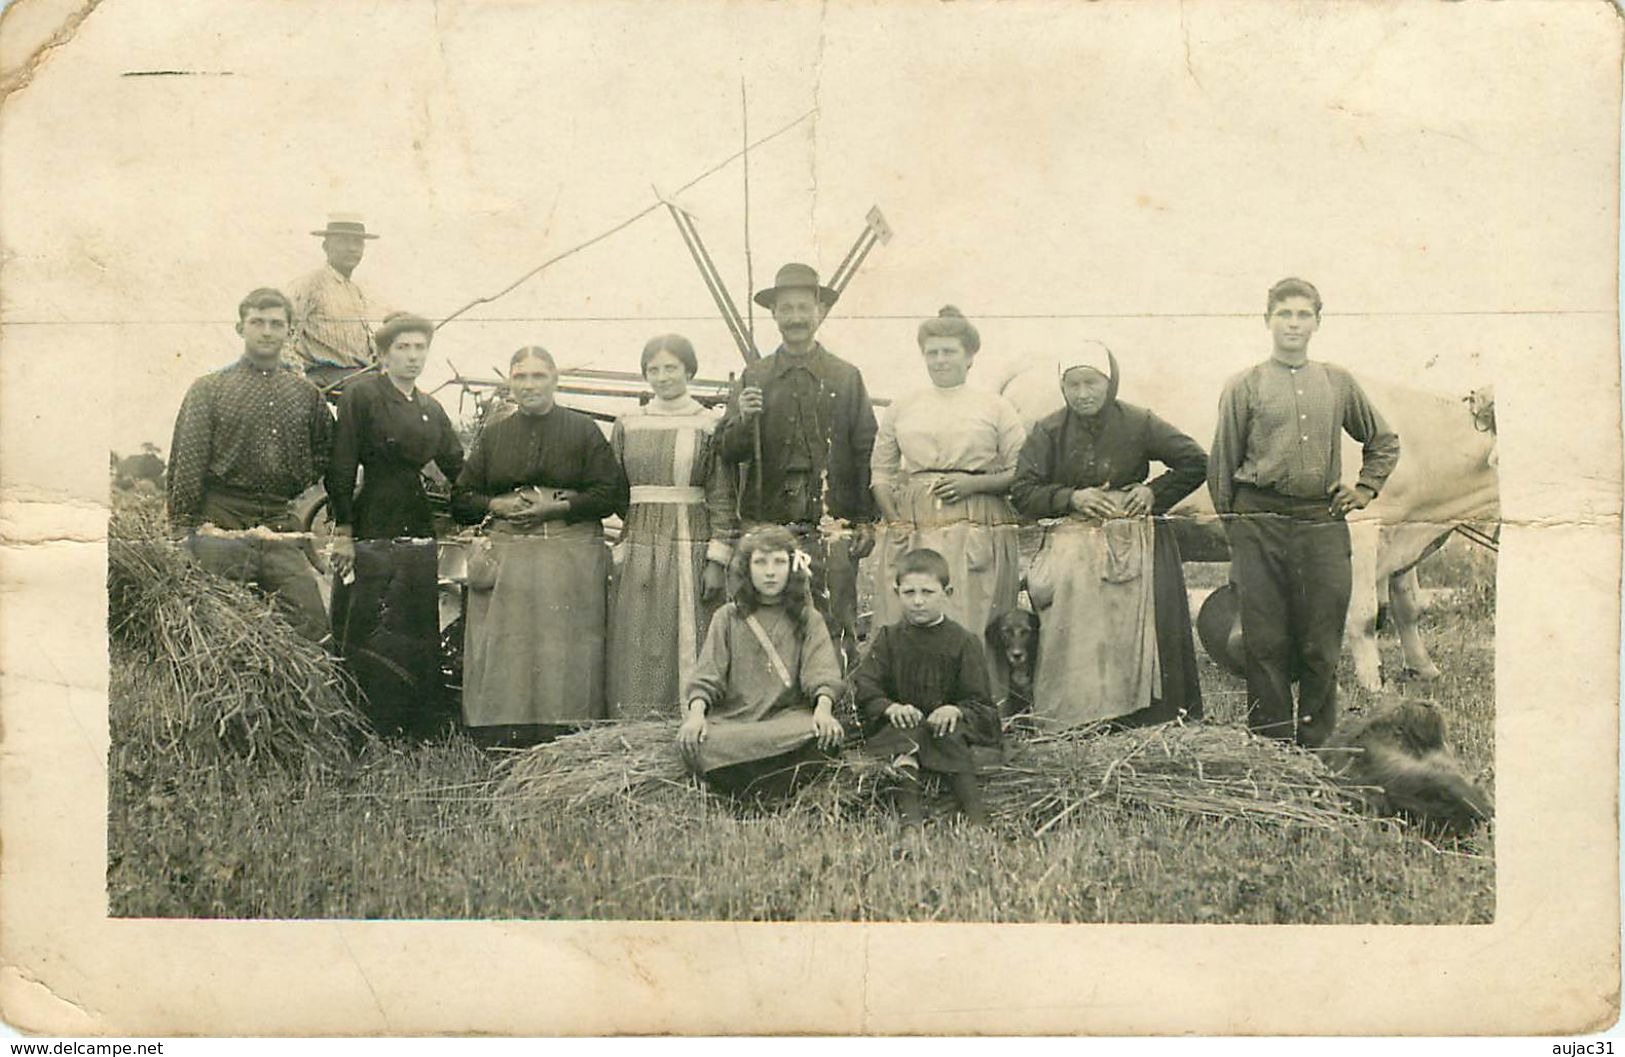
[[750, 275]]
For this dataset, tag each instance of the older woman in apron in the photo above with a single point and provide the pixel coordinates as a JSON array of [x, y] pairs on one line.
[[1115, 637]]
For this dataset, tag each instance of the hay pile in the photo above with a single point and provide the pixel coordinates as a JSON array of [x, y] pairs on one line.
[[1216, 772], [244, 681], [1042, 782], [601, 766]]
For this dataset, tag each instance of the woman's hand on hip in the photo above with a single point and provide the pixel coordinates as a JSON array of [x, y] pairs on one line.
[[1094, 503], [1139, 501]]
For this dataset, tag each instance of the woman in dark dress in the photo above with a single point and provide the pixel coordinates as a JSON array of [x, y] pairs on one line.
[[385, 594], [1115, 634], [540, 482]]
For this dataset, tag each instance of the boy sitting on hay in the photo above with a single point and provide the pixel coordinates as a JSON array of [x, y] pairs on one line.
[[923, 692]]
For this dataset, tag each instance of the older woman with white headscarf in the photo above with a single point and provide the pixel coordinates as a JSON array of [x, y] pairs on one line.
[[1115, 633]]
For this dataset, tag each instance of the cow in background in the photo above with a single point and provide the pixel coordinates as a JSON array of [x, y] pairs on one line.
[[1446, 477]]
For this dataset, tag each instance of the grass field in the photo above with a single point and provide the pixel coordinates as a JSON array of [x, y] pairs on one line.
[[419, 832]]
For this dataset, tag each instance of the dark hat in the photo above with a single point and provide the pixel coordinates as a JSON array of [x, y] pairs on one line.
[[794, 277], [1218, 625], [344, 224]]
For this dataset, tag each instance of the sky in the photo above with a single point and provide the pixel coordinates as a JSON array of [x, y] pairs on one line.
[[1137, 174]]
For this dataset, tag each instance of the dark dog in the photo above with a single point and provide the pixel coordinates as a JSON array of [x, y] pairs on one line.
[[1398, 752], [1012, 643]]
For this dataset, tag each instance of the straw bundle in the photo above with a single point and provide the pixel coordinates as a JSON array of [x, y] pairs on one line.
[[244, 681], [611, 763], [1217, 772], [1209, 771]]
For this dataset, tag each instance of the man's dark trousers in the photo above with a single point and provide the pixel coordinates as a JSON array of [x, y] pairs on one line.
[[278, 567], [1289, 560]]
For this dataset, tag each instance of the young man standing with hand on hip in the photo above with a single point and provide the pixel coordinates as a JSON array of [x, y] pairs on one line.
[[1275, 473]]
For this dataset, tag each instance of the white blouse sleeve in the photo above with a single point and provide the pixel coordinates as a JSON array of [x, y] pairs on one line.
[[1012, 435], [886, 462]]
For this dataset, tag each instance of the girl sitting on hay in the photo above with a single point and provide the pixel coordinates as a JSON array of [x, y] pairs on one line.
[[748, 728]]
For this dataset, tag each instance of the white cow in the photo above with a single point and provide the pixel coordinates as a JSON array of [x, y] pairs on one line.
[[1446, 477]]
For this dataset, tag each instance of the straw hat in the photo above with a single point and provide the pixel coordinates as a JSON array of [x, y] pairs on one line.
[[344, 224]]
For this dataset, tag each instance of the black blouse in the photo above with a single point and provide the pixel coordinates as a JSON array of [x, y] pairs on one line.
[[561, 449], [1113, 449], [393, 436]]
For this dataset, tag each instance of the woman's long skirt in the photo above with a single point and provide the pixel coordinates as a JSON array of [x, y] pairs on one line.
[[1176, 644], [658, 619], [386, 623], [535, 640], [977, 536]]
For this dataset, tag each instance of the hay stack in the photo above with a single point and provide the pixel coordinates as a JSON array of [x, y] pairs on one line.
[[245, 682], [1209, 771]]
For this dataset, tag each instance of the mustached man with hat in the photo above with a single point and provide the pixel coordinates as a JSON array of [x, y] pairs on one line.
[[332, 336], [803, 428]]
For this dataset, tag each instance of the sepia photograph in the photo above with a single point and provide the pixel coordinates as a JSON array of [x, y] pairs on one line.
[[935, 464]]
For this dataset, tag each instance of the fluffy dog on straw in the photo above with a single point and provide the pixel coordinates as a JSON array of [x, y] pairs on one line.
[[1398, 752]]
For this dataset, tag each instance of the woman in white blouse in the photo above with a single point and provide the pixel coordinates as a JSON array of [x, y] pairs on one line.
[[942, 466]]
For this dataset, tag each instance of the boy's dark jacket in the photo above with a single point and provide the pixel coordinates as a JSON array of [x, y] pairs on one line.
[[928, 667]]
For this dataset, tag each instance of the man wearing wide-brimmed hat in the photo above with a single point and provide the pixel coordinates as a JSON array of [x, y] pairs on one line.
[[803, 427], [332, 332]]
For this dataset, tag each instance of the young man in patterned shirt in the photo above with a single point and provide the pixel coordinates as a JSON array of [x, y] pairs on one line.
[[248, 440], [1275, 473]]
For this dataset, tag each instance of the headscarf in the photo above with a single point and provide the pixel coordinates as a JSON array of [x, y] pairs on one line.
[[1090, 353]]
